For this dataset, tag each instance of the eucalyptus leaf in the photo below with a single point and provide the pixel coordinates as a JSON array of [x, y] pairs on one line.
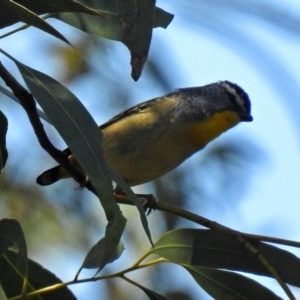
[[82, 135], [225, 285], [11, 234], [94, 257], [12, 12], [38, 277], [214, 249], [111, 26], [59, 100], [131, 23], [151, 294], [37, 7]]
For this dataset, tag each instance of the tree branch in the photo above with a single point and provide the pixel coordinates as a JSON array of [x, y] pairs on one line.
[[28, 103]]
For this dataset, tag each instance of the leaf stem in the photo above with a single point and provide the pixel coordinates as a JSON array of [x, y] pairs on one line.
[[123, 199], [91, 279]]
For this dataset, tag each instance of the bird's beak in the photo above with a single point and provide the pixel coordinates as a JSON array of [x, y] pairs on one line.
[[246, 117]]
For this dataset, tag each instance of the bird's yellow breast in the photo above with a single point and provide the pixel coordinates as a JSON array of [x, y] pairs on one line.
[[199, 134]]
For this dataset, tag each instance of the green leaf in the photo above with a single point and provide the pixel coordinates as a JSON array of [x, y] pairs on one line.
[[151, 294], [94, 257], [131, 24], [11, 234], [225, 285], [54, 6], [137, 31], [213, 249], [162, 18], [38, 277], [43, 92], [109, 7], [3, 131], [38, 7], [128, 191], [113, 233], [109, 27], [12, 12], [71, 119]]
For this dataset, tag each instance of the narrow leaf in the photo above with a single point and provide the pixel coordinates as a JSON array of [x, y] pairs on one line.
[[13, 12], [151, 294], [82, 135], [132, 24], [50, 93], [77, 128], [53, 6], [110, 27], [137, 17], [213, 249], [11, 234], [225, 285], [128, 191], [94, 257], [113, 234], [40, 7]]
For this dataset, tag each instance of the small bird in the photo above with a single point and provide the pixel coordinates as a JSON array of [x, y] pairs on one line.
[[154, 137]]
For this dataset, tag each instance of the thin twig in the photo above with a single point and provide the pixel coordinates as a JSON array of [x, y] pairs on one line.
[[123, 199]]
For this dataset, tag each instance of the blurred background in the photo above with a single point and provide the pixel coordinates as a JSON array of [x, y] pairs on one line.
[[248, 179]]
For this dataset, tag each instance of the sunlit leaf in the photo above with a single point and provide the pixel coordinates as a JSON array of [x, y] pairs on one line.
[[213, 249], [225, 285]]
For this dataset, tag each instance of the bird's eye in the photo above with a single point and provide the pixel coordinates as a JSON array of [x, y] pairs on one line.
[[141, 108]]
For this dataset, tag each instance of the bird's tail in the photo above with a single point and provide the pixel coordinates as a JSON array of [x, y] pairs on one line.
[[50, 176]]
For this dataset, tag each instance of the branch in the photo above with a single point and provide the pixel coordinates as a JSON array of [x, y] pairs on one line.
[[237, 235], [28, 103]]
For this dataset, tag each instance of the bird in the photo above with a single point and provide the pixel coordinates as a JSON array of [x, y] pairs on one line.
[[152, 138]]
